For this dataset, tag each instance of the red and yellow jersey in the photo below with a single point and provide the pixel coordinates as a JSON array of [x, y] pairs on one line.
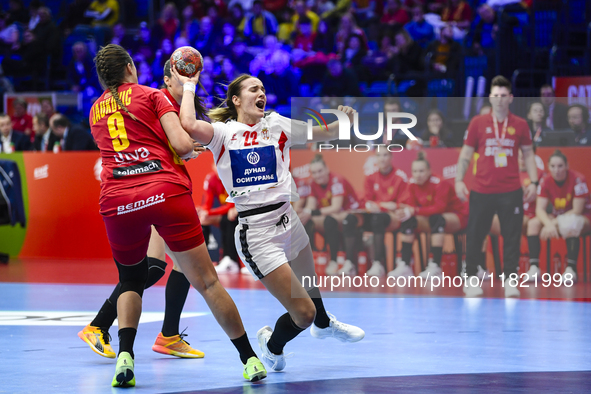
[[561, 196], [529, 208], [213, 189], [336, 186], [135, 152], [435, 196], [385, 187], [491, 174]]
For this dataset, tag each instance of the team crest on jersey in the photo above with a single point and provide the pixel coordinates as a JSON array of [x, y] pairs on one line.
[[511, 130], [265, 134]]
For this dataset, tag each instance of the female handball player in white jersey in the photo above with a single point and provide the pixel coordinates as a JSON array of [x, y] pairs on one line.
[[252, 154]]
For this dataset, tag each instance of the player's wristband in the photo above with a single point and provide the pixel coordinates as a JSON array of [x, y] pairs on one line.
[[190, 86], [316, 212]]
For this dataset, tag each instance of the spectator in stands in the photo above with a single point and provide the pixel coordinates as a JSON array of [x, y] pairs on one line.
[[236, 16], [353, 54], [429, 204], [486, 109], [383, 190], [239, 57], [408, 55], [34, 17], [72, 138], [377, 60], [17, 13], [484, 31], [263, 59], [9, 36], [325, 40], [322, 7], [225, 41], [555, 111], [11, 141], [332, 196], [536, 118], [80, 70], [445, 53], [162, 55], [302, 10], [145, 76], [278, 79], [304, 36], [436, 135], [259, 24], [418, 28], [45, 139], [336, 13], [347, 27], [568, 195], [22, 122], [168, 25], [206, 37], [459, 13], [119, 36], [229, 71], [391, 105], [189, 25], [47, 107], [578, 121], [394, 14], [29, 57], [144, 43], [103, 15], [339, 81]]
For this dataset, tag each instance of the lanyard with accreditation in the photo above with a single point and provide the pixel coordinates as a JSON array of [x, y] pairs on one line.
[[500, 155]]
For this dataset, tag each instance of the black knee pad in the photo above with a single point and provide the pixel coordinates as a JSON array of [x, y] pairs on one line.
[[409, 226], [133, 277], [309, 226], [437, 224], [330, 224], [156, 270], [350, 225], [379, 222]]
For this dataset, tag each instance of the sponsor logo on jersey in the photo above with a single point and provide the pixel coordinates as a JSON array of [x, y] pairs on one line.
[[256, 166], [140, 204], [141, 153], [137, 169]]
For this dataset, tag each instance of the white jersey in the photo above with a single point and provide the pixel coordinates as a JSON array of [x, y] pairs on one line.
[[253, 161]]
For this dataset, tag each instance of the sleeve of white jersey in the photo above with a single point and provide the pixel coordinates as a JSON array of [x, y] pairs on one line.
[[217, 142], [296, 130]]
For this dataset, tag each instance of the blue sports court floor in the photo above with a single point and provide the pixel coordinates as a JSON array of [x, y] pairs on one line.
[[412, 345]]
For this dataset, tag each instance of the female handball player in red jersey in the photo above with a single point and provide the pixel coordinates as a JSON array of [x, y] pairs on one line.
[[169, 340], [144, 183], [252, 155], [428, 201]]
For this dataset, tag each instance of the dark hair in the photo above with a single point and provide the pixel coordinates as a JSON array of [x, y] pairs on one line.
[[584, 109], [501, 82], [531, 104], [60, 121], [422, 157], [21, 102], [227, 110], [438, 113], [4, 115], [318, 158], [200, 109], [392, 100], [558, 153], [546, 85], [42, 118], [304, 20], [110, 63]]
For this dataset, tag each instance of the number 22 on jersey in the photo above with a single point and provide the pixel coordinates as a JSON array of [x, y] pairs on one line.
[[247, 135]]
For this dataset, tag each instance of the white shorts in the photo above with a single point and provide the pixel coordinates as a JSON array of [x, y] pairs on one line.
[[267, 241]]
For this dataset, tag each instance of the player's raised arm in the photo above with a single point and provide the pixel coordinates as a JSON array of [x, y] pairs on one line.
[[199, 130]]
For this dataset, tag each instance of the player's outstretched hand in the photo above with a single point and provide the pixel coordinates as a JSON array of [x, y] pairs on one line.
[[194, 79], [349, 111]]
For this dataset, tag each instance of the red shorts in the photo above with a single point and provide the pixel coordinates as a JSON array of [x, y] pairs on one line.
[[129, 215], [463, 221]]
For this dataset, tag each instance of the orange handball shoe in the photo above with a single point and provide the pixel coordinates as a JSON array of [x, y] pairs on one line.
[[175, 346]]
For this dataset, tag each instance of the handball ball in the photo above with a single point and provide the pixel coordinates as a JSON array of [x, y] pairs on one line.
[[187, 60]]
